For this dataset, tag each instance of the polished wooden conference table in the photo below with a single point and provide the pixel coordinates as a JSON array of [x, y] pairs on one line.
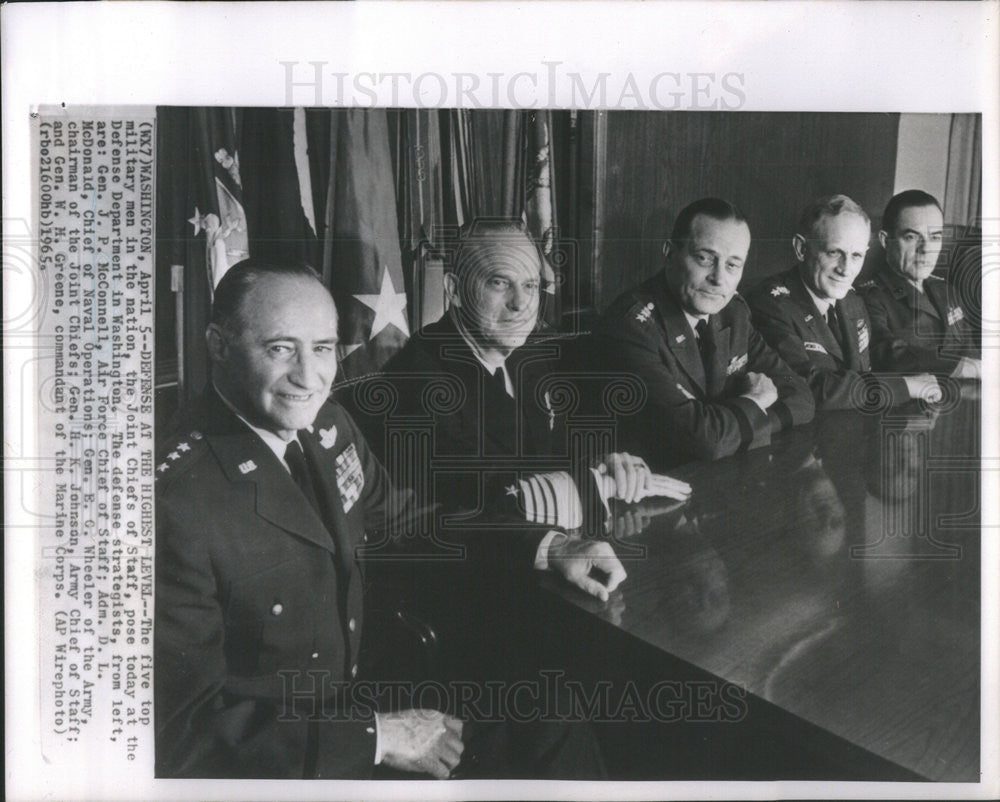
[[832, 578]]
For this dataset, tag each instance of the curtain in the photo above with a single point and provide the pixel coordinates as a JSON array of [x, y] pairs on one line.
[[201, 230], [365, 196], [362, 255], [963, 186], [419, 140]]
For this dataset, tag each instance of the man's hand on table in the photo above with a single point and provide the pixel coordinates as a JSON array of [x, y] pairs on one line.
[[924, 387], [968, 368], [426, 741], [574, 558], [633, 481]]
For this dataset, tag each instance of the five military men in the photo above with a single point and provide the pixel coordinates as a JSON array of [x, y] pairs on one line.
[[266, 498]]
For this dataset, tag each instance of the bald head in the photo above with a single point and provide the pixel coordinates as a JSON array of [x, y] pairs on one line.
[[272, 341], [494, 284]]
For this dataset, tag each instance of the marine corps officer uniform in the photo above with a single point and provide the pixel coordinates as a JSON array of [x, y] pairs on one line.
[[916, 331]]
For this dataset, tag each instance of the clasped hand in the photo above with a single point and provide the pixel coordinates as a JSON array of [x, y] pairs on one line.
[[425, 741], [628, 478]]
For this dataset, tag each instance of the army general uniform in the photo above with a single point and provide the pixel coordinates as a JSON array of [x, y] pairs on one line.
[[690, 413]]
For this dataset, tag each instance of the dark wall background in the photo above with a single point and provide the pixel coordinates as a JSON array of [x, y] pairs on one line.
[[769, 164]]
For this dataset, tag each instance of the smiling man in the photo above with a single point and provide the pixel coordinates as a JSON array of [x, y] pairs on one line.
[[262, 500], [714, 387], [476, 373], [917, 323], [812, 317]]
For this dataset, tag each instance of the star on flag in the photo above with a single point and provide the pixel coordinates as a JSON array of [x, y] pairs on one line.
[[198, 221], [389, 307]]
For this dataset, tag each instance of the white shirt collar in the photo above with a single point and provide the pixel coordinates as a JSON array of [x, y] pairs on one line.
[[271, 440], [693, 320], [822, 304], [490, 366]]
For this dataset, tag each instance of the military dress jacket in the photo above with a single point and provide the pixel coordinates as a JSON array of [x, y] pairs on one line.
[[259, 604], [914, 332], [840, 378], [473, 438], [689, 415], [475, 417]]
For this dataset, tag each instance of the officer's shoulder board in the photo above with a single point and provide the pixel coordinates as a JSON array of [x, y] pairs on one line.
[[641, 310], [178, 454], [776, 289]]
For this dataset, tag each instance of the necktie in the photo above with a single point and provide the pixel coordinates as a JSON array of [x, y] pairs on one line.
[[499, 383], [296, 462], [833, 321], [706, 345]]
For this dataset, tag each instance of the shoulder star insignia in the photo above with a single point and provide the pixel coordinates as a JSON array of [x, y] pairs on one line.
[[645, 312], [779, 290], [162, 467], [183, 447]]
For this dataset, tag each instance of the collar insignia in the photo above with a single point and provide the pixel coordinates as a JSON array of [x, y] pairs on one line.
[[246, 467]]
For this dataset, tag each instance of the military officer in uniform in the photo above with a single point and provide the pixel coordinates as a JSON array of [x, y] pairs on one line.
[[714, 386], [264, 502], [495, 444], [484, 354], [261, 505], [812, 317], [917, 325]]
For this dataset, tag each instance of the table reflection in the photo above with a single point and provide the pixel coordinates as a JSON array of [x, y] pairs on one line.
[[835, 574]]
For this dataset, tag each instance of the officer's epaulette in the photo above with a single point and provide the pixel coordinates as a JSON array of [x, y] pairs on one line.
[[178, 452], [866, 285], [641, 311]]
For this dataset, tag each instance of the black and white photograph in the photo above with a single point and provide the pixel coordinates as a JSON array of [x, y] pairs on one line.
[[623, 481], [470, 432]]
